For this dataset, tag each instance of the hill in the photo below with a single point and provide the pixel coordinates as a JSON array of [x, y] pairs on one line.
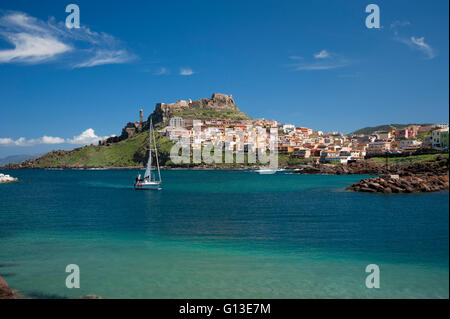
[[132, 152], [219, 106], [130, 149], [15, 159], [370, 129]]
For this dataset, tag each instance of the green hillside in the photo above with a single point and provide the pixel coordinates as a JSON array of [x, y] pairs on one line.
[[370, 129], [130, 152], [408, 160]]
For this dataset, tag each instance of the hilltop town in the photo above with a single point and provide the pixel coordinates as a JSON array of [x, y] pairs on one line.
[[217, 120], [186, 120]]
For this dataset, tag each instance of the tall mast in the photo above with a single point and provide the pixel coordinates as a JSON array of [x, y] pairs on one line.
[[148, 171], [156, 156]]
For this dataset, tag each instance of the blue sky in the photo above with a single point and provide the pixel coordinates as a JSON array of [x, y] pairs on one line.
[[309, 63]]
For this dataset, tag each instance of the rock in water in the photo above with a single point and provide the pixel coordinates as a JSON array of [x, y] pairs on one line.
[[90, 297], [5, 291]]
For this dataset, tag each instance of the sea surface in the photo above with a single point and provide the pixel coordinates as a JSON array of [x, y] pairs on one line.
[[219, 234]]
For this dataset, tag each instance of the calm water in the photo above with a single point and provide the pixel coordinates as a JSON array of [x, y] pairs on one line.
[[219, 234]]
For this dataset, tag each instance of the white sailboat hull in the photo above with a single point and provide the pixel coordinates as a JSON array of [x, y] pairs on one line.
[[147, 185]]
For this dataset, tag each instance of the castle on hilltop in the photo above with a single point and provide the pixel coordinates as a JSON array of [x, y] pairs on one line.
[[219, 105], [219, 102]]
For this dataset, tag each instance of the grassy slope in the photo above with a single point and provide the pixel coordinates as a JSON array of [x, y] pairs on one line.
[[131, 152], [409, 159], [371, 129]]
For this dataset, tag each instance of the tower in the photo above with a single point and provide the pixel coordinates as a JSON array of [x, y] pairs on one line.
[[141, 116]]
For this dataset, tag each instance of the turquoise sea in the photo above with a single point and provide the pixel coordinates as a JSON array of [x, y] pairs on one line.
[[219, 234]]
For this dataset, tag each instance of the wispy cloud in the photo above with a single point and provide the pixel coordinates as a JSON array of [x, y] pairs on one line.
[[36, 41], [318, 67], [162, 71], [105, 57], [322, 55], [85, 138], [418, 44], [186, 71], [32, 43], [415, 43], [323, 60], [397, 24]]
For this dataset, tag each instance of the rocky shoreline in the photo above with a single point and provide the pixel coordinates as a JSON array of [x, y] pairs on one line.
[[421, 183], [425, 177], [429, 176], [6, 292]]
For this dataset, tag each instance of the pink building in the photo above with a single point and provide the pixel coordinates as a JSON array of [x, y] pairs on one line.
[[407, 132]]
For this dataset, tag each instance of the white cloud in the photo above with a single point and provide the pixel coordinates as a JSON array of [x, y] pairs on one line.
[[105, 57], [50, 140], [422, 46], [186, 71], [322, 61], [31, 48], [418, 44], [318, 67], [6, 141], [322, 55], [30, 142], [413, 42], [37, 41], [85, 138]]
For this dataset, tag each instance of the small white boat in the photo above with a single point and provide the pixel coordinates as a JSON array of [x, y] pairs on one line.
[[266, 171], [149, 181]]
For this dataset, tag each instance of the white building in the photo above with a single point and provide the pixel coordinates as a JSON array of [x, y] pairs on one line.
[[176, 121], [288, 128], [437, 138]]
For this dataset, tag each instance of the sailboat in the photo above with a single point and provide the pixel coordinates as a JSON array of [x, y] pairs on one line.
[[149, 181]]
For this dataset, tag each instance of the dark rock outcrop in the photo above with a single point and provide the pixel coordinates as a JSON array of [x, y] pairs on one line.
[[438, 166], [420, 183], [218, 102], [422, 177], [358, 168]]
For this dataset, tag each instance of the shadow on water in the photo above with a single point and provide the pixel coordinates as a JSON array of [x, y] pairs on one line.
[[107, 186], [8, 274], [8, 265]]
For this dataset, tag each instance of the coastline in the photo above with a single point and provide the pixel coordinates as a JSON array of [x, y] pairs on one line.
[[419, 177]]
